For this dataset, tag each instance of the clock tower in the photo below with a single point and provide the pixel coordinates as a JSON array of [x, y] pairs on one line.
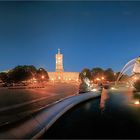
[[59, 61]]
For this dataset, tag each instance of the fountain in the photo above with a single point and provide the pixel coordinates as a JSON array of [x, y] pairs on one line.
[[85, 85], [134, 77]]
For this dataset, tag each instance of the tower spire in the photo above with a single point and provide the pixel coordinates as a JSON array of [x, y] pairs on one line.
[[58, 51]]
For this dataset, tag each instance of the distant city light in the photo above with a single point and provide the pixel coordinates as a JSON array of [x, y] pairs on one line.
[[98, 79], [113, 88], [102, 78], [42, 76], [136, 102], [135, 78], [34, 78]]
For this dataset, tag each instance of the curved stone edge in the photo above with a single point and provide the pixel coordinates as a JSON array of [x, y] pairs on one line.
[[39, 123]]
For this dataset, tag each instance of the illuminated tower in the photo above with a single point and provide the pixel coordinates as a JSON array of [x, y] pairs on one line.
[[59, 61]]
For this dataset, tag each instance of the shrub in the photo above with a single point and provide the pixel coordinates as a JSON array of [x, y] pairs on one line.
[[137, 85]]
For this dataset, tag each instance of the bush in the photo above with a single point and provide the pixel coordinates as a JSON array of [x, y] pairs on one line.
[[137, 85]]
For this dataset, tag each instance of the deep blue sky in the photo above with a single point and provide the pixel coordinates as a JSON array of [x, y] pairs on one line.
[[89, 34]]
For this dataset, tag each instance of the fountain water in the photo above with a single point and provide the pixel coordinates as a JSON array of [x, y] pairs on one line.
[[134, 66], [126, 68]]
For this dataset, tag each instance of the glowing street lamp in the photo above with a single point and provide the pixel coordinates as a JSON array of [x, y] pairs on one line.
[[136, 102], [102, 78], [34, 78], [135, 78], [98, 79], [59, 77], [53, 81], [42, 76]]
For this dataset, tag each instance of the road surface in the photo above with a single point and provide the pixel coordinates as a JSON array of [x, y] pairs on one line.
[[17, 103]]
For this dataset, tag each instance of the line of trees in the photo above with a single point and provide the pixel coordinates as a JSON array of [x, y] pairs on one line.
[[98, 73], [24, 73]]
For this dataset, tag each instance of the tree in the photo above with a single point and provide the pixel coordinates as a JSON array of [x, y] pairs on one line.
[[42, 75], [21, 73], [137, 85], [85, 73], [95, 72], [4, 76], [109, 73], [24, 73]]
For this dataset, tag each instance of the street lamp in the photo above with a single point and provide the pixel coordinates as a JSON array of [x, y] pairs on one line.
[[42, 76], [98, 79], [135, 78], [102, 78], [136, 102], [59, 77]]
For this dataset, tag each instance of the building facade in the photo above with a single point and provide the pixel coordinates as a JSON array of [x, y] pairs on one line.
[[60, 75]]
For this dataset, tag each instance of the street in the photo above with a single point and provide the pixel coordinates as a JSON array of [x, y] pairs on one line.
[[17, 103]]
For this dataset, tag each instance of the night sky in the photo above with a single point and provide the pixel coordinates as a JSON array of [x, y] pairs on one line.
[[89, 34]]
